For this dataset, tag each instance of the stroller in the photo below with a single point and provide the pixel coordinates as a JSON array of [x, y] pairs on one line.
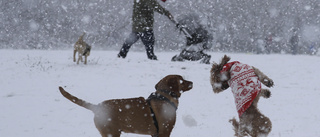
[[197, 43]]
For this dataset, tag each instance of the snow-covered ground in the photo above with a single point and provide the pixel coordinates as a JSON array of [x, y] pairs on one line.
[[32, 106]]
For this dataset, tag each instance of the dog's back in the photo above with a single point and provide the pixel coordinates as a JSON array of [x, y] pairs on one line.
[[131, 115]]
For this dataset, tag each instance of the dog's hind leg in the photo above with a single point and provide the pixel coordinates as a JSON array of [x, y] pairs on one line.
[[264, 93], [74, 55], [260, 124], [108, 134], [107, 131], [80, 56], [85, 59]]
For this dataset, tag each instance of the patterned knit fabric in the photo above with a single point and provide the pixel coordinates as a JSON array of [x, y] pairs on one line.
[[244, 85]]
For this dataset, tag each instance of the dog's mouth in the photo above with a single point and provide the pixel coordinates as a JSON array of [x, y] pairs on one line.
[[222, 85], [188, 85], [225, 85]]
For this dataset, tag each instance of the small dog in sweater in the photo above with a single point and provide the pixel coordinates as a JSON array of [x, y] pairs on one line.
[[245, 82]]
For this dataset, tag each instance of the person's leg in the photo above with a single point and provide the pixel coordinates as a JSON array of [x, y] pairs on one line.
[[133, 38], [148, 41]]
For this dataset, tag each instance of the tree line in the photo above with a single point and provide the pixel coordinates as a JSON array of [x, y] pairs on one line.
[[237, 25]]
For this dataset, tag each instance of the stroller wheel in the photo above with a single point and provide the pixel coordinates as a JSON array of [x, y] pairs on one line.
[[206, 60], [176, 58]]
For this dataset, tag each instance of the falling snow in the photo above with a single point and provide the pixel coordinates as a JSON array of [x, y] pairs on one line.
[[30, 80], [236, 26], [251, 31]]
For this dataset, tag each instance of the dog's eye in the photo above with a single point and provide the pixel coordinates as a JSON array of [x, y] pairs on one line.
[[223, 77], [180, 81]]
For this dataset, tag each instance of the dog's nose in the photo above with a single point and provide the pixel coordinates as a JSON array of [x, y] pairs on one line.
[[190, 85]]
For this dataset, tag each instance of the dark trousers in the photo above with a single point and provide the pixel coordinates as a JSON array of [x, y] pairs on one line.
[[147, 39]]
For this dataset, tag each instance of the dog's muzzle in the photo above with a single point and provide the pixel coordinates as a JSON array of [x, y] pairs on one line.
[[190, 85]]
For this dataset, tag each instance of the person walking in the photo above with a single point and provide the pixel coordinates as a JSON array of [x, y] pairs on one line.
[[142, 26]]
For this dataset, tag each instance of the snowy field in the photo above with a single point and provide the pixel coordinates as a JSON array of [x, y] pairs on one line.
[[32, 106]]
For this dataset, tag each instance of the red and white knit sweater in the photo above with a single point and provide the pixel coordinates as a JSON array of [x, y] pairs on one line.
[[244, 84]]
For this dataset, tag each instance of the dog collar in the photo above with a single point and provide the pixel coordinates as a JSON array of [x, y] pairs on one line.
[[169, 93], [158, 96]]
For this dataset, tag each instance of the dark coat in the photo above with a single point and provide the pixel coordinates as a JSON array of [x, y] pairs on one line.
[[143, 14]]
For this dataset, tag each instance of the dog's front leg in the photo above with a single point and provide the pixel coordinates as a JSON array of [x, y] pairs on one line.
[[79, 58], [85, 59], [265, 93], [155, 135], [74, 55], [166, 117], [263, 78]]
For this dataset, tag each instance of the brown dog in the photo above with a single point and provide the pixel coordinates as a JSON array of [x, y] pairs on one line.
[[245, 82], [155, 116], [82, 48]]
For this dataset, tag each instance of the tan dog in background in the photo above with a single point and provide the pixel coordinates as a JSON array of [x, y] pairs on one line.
[[82, 48], [245, 82], [155, 116]]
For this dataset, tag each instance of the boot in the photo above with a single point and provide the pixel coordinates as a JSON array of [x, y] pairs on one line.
[[122, 53]]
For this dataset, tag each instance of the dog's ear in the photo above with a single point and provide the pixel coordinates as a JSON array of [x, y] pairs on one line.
[[168, 83], [157, 86], [219, 80], [213, 68], [217, 68], [173, 84], [160, 84], [224, 60]]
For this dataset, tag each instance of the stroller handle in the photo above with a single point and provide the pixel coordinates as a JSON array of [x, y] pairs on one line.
[[182, 28]]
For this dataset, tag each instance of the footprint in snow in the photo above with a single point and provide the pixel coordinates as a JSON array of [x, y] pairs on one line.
[[189, 121]]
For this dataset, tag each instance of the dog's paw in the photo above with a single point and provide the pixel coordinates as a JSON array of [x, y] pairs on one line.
[[268, 82], [266, 93]]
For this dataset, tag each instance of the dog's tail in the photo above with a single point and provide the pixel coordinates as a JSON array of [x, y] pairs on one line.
[[235, 124], [77, 101]]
